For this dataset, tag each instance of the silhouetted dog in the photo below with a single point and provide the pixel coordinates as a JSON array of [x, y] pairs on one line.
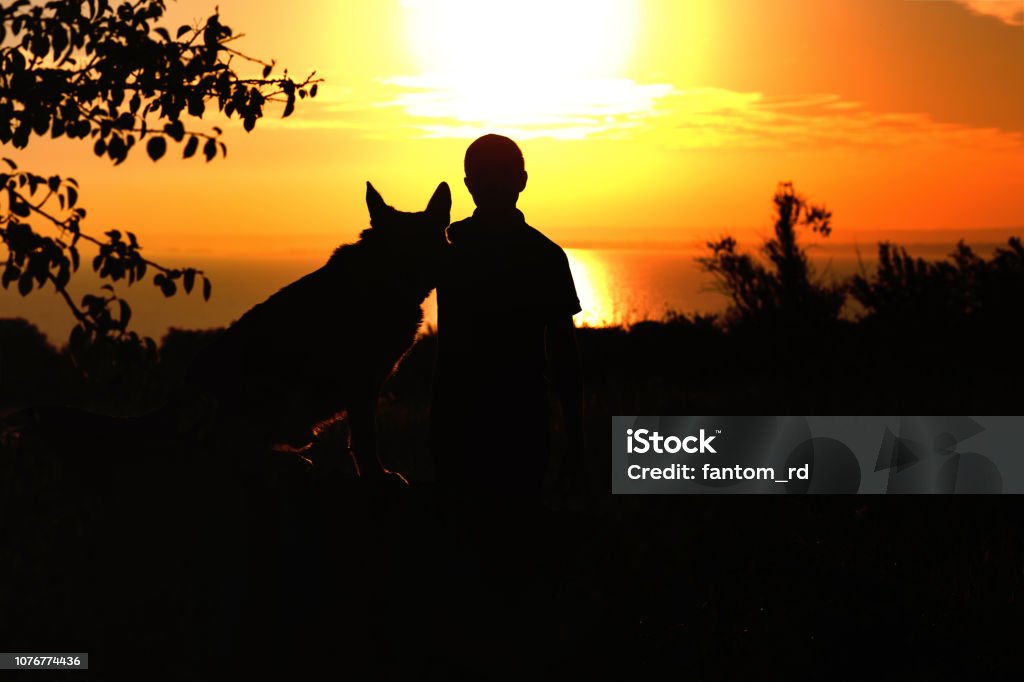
[[323, 345]]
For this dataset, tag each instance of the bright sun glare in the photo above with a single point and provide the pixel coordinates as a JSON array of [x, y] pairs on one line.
[[533, 67]]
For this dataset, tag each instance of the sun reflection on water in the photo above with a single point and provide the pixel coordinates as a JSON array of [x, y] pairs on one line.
[[623, 287], [593, 287]]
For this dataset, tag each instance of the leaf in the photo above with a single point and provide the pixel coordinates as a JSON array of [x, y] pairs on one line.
[[313, 90], [39, 266], [189, 280], [40, 46], [19, 207], [72, 197], [190, 147], [163, 33], [156, 147], [176, 130], [183, 29], [63, 276], [117, 149], [79, 337], [266, 70], [207, 288], [25, 284], [60, 42], [126, 313], [100, 148], [210, 149], [196, 106], [58, 127], [11, 273]]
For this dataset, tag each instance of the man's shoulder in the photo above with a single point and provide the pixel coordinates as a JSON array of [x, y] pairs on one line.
[[540, 238], [540, 241], [524, 236]]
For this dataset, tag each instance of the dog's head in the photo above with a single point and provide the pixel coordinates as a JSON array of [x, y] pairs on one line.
[[408, 229], [412, 243]]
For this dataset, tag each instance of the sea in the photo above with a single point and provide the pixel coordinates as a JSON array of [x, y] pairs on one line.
[[616, 286]]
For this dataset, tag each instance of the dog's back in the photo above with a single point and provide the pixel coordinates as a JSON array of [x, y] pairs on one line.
[[331, 338]]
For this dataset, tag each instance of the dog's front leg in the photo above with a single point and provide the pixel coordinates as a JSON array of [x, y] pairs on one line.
[[363, 443]]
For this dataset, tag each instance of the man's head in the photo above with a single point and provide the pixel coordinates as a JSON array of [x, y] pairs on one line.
[[495, 172]]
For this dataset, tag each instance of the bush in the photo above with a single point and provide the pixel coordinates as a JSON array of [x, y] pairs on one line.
[[907, 291], [785, 292]]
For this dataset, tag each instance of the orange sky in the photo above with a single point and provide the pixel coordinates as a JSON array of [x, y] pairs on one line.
[[646, 121]]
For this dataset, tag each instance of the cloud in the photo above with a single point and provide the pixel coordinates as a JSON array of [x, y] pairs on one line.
[[426, 106], [935, 61], [535, 107], [1010, 11], [694, 118], [941, 57], [714, 118]]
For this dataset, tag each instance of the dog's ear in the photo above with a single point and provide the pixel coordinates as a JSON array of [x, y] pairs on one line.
[[440, 205], [374, 202]]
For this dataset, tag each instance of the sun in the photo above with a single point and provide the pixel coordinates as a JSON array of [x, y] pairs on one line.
[[524, 40], [528, 64]]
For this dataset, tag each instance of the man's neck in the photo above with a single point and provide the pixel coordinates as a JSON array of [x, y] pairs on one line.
[[501, 214]]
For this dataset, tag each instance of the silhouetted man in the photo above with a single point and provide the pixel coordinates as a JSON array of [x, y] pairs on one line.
[[505, 305]]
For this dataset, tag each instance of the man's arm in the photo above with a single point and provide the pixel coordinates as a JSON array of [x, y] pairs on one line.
[[564, 362]]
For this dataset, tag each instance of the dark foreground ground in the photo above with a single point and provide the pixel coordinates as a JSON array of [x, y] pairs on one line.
[[194, 565]]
